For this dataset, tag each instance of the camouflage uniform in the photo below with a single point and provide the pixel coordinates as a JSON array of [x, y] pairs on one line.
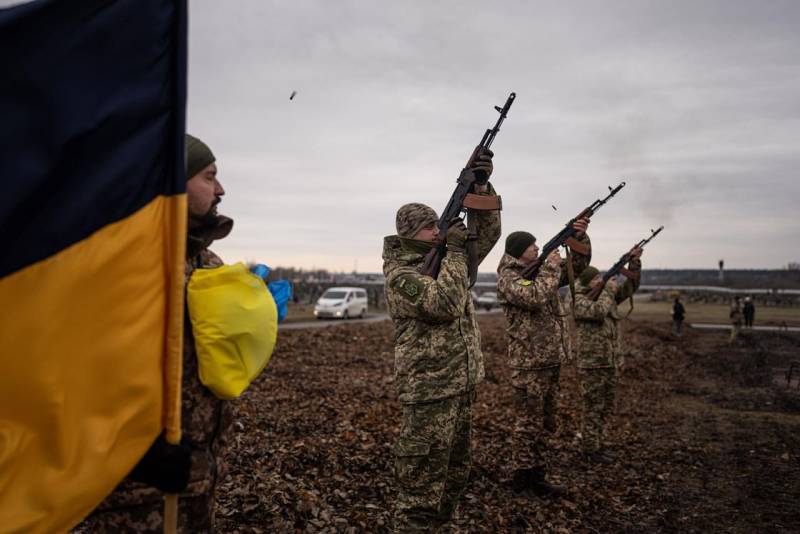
[[736, 319], [599, 354], [538, 342], [138, 508], [438, 362]]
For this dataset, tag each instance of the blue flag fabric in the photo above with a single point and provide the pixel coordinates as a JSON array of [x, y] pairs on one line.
[[88, 92]]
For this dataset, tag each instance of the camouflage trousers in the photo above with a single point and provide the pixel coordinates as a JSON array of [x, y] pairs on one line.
[[195, 515], [736, 327], [535, 406], [598, 387], [432, 462]]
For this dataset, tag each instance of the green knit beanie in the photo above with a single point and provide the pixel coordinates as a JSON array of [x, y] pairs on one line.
[[518, 242], [198, 156], [588, 274]]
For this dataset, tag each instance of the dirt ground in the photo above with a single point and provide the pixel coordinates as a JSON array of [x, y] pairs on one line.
[[706, 438]]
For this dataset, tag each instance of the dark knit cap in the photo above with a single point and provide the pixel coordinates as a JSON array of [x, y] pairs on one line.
[[411, 218], [588, 274], [518, 242], [198, 156]]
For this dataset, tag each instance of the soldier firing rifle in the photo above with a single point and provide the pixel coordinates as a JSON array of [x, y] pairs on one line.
[[619, 267], [567, 235]]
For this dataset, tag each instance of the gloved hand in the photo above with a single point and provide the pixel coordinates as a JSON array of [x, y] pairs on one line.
[[456, 235], [483, 166], [164, 466], [612, 284], [554, 259]]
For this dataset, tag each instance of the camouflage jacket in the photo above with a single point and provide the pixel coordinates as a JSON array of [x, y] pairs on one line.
[[204, 418], [735, 314], [536, 327], [437, 341], [597, 322]]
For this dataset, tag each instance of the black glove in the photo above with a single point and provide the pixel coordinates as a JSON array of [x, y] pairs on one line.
[[164, 466], [456, 235], [483, 166]]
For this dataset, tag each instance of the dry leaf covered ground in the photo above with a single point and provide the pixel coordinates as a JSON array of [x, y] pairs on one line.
[[706, 438]]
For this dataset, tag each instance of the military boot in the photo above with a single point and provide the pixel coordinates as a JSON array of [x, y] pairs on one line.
[[521, 480], [598, 457], [540, 486], [533, 481]]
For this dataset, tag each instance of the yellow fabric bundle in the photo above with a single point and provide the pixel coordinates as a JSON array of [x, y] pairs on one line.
[[235, 326]]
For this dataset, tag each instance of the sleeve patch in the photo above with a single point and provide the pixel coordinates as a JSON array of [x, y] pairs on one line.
[[524, 282], [408, 287]]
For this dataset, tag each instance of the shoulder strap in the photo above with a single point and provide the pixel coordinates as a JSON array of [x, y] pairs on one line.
[[472, 246], [571, 279]]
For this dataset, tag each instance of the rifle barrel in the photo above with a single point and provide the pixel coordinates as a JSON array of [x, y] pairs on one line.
[[503, 113]]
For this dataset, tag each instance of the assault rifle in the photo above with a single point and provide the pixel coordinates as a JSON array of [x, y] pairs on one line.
[[619, 267], [462, 199], [566, 233]]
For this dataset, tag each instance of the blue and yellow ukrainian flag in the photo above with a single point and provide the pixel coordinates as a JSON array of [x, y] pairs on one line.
[[92, 226]]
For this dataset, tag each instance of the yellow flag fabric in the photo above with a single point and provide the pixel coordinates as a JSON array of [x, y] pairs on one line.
[[235, 325], [82, 397]]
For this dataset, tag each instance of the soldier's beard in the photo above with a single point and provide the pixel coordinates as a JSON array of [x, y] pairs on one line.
[[207, 220]]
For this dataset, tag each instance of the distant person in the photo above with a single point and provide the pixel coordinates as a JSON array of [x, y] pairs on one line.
[[749, 312], [736, 318], [678, 313], [599, 350]]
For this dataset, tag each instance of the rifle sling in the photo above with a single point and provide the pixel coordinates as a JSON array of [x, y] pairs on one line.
[[630, 275], [630, 311], [577, 246], [472, 246], [483, 202], [571, 280]]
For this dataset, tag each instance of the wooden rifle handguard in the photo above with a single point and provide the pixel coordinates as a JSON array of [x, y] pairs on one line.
[[483, 202]]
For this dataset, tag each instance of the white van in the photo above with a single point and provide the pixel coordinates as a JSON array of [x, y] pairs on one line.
[[341, 303]]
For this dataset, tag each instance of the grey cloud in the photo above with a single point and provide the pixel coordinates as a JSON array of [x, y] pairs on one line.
[[694, 103]]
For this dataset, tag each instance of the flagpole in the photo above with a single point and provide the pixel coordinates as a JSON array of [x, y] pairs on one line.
[[173, 364]]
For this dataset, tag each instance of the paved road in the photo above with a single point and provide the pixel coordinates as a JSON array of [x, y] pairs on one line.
[[370, 318], [710, 326], [322, 323]]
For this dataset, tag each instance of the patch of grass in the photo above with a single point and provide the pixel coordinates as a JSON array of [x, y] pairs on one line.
[[708, 313]]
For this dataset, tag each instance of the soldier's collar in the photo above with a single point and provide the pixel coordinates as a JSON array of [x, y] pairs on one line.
[[416, 246], [509, 261], [199, 239]]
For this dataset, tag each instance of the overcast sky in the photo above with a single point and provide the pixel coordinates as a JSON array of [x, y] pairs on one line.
[[695, 104]]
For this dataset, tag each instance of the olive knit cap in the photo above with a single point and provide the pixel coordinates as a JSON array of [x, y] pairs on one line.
[[198, 156], [518, 242], [588, 274], [411, 218]]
